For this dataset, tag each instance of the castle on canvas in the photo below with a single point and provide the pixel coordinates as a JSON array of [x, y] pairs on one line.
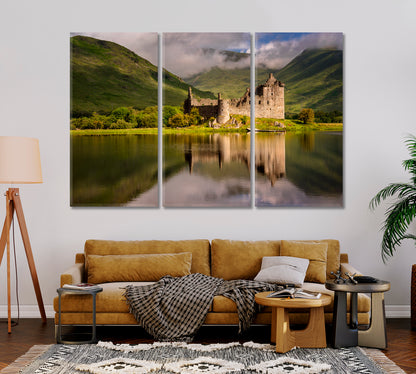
[[270, 103]]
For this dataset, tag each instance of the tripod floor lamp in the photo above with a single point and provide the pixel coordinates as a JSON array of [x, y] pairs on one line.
[[19, 163]]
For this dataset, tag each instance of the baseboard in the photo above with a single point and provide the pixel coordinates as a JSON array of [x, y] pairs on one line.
[[32, 311], [27, 311], [397, 311]]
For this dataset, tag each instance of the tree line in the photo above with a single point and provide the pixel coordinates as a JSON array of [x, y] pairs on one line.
[[130, 118], [308, 115], [173, 116]]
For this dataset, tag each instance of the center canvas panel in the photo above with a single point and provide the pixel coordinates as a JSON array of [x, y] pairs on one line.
[[206, 120]]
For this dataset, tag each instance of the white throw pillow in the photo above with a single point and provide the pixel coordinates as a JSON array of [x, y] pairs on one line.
[[282, 270]]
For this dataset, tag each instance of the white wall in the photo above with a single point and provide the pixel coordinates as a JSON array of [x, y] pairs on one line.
[[380, 60]]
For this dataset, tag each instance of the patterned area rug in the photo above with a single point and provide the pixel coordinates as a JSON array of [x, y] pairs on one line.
[[182, 358]]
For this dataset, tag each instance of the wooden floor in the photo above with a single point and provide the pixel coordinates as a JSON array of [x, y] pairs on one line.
[[401, 340]]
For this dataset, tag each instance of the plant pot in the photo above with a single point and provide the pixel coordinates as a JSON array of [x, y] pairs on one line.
[[413, 298]]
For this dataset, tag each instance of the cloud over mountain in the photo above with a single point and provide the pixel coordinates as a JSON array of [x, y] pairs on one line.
[[274, 51], [186, 54]]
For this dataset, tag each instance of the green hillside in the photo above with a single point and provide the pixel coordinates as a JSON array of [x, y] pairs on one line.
[[231, 83], [105, 75], [313, 79], [175, 90]]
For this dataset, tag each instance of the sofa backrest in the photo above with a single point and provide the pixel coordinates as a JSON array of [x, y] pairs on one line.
[[199, 249], [333, 261], [238, 259], [234, 259], [227, 259]]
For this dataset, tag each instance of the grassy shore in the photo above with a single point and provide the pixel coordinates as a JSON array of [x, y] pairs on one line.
[[115, 131], [296, 125], [261, 124]]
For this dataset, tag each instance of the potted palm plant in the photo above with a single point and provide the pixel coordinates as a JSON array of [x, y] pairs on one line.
[[399, 215]]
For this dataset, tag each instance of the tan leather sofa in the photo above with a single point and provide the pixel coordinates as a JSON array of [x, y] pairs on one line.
[[227, 259]]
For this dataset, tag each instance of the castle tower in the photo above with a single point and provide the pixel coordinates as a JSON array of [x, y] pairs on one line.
[[270, 99], [223, 110], [187, 105], [271, 80]]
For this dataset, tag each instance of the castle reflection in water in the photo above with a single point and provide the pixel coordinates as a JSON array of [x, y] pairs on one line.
[[269, 153]]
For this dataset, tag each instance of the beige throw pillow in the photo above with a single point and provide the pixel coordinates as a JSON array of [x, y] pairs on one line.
[[137, 268], [283, 270], [316, 253]]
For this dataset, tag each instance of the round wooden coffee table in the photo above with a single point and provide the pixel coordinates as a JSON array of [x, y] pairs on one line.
[[313, 336]]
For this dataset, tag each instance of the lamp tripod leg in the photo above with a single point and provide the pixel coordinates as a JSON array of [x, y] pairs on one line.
[[13, 203], [29, 254], [9, 302], [5, 243]]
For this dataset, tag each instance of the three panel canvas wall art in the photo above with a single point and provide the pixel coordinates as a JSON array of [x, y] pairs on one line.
[[237, 129]]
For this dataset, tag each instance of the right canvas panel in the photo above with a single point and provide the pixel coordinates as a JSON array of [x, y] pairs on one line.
[[299, 120]]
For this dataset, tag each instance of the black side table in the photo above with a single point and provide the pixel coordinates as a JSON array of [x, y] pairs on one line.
[[344, 335], [93, 292]]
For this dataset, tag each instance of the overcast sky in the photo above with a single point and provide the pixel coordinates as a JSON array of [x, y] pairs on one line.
[[185, 54], [275, 50]]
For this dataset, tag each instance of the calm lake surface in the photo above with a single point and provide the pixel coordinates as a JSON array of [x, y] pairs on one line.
[[297, 170], [211, 170], [114, 170]]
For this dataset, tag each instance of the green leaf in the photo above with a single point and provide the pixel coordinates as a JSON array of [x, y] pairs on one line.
[[402, 211]]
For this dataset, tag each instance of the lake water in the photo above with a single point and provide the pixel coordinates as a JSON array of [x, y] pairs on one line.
[[297, 170], [211, 170], [113, 170], [206, 170]]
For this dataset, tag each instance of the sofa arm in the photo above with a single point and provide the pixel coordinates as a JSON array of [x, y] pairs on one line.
[[74, 275], [347, 268]]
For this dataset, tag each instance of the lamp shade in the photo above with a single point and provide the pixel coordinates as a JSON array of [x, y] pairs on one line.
[[19, 160]]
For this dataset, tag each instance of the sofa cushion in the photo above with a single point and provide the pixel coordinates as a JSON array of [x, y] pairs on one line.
[[234, 259], [199, 249], [111, 300], [333, 255], [222, 304], [283, 270], [316, 253], [137, 268]]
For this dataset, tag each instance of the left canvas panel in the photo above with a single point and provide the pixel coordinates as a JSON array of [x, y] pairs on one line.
[[114, 119]]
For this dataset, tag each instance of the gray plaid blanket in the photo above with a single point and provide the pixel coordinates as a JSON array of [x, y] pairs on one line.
[[175, 308]]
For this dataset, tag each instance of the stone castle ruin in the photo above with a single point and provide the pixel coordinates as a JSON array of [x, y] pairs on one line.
[[270, 103]]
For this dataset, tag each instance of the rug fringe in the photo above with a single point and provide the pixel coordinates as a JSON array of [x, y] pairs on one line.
[[383, 361], [24, 360]]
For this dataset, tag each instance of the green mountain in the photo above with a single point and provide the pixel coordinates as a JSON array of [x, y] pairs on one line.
[[105, 75], [231, 83], [312, 79]]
